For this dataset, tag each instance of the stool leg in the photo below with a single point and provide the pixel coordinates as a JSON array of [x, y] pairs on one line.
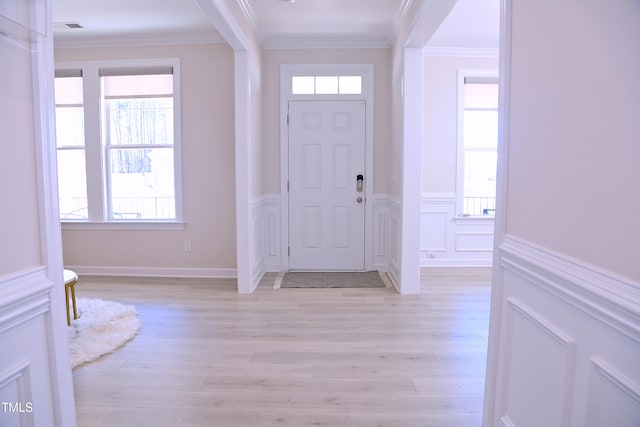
[[66, 300], [73, 299]]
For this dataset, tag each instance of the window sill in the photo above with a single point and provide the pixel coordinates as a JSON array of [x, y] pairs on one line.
[[475, 218], [122, 225]]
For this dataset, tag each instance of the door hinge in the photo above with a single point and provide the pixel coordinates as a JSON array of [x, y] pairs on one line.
[[287, 186], [289, 251], [287, 119]]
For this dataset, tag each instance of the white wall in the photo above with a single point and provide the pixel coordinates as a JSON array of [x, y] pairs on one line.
[[446, 239], [564, 333], [208, 160]]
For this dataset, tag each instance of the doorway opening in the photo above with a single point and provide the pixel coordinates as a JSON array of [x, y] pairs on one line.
[[327, 166]]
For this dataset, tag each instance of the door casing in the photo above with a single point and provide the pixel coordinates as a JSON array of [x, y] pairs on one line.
[[287, 71]]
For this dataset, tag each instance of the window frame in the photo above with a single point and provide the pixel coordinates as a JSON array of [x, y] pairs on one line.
[[462, 75], [96, 150]]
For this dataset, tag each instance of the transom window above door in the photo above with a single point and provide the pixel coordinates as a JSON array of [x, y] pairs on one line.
[[326, 85]]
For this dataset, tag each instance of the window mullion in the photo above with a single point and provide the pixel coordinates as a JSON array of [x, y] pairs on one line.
[[93, 144]]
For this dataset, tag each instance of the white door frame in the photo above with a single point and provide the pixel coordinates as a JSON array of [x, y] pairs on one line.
[[287, 71]]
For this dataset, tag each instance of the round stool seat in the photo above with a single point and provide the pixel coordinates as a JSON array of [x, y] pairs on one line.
[[69, 277], [70, 280]]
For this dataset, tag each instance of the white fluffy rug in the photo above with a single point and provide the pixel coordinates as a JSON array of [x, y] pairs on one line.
[[103, 326]]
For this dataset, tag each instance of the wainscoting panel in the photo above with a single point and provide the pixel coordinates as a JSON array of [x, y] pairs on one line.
[[257, 258], [25, 376], [447, 240], [548, 378], [433, 231], [394, 242], [381, 232], [568, 340], [614, 398], [267, 215]]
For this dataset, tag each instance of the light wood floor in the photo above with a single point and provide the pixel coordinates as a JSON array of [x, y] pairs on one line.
[[207, 356]]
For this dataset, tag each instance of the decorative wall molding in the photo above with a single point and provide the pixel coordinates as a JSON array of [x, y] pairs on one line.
[[554, 368], [272, 234], [447, 240], [607, 297], [157, 40], [566, 327], [308, 42], [121, 271], [269, 208], [23, 296], [381, 231], [461, 52], [257, 256], [394, 243], [15, 387], [608, 384]]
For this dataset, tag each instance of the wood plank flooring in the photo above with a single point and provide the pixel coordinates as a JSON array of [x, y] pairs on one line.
[[207, 356]]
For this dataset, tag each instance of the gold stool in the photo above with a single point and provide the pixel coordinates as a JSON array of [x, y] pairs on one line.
[[70, 280]]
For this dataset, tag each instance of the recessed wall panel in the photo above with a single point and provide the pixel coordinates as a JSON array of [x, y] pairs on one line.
[[539, 364]]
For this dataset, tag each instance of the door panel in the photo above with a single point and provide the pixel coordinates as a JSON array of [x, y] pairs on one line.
[[326, 154]]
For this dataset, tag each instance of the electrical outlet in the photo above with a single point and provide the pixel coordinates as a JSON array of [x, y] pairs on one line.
[[187, 245]]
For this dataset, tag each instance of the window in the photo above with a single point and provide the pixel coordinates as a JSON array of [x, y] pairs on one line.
[[131, 144], [477, 142], [72, 180], [326, 85]]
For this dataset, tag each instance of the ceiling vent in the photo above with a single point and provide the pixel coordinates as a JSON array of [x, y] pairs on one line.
[[67, 26]]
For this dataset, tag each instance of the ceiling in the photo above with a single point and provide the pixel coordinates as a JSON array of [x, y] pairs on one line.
[[472, 23]]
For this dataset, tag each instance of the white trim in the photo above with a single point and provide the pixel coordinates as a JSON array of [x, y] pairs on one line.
[[287, 71], [461, 52], [122, 226], [156, 40], [552, 331], [244, 174], [497, 284], [249, 14], [411, 171], [20, 375], [95, 150], [394, 240], [116, 271], [225, 23], [611, 299], [601, 370], [438, 198], [426, 262], [56, 345], [24, 295], [309, 42]]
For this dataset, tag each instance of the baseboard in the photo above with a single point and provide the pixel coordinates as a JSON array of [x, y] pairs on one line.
[[205, 273], [454, 262]]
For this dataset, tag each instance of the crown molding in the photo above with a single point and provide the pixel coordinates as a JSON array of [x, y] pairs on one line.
[[247, 9], [404, 8], [323, 42], [156, 40], [461, 52]]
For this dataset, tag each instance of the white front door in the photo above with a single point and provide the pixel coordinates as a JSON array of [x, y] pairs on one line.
[[327, 185]]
